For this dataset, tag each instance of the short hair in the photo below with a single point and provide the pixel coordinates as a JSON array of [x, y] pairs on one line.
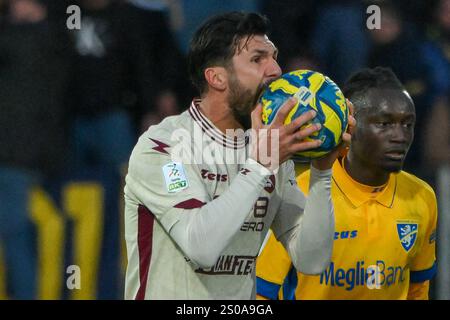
[[217, 39], [357, 86]]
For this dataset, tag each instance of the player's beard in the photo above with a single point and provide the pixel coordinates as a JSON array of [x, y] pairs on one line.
[[242, 101]]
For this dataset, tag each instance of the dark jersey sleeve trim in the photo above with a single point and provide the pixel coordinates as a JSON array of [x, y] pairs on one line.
[[267, 289], [423, 275]]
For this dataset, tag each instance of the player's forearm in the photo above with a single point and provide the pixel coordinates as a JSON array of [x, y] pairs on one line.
[[204, 234], [311, 245]]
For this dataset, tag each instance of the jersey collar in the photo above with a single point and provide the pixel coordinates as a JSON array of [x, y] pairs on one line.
[[358, 193], [212, 131]]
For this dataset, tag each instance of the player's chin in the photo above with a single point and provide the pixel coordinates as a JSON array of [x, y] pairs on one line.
[[392, 166]]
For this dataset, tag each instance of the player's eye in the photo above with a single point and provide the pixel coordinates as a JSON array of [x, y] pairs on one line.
[[382, 124], [256, 59], [408, 124]]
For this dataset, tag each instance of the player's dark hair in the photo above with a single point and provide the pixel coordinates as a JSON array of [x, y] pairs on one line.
[[364, 80], [217, 40]]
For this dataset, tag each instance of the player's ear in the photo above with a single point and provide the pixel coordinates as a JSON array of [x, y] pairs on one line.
[[216, 78]]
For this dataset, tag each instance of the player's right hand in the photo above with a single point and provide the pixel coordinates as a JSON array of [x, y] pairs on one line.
[[275, 143]]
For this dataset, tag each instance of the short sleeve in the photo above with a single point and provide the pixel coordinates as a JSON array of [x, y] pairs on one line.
[[272, 267], [423, 266]]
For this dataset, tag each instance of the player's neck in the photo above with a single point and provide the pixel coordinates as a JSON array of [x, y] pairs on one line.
[[364, 175], [218, 112]]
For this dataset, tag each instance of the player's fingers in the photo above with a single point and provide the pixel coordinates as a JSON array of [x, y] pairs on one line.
[[351, 124], [256, 117], [350, 106], [343, 147], [284, 111], [300, 121], [305, 145], [306, 132], [346, 138], [351, 118]]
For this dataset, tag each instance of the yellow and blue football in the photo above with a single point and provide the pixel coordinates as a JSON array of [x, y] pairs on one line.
[[314, 91]]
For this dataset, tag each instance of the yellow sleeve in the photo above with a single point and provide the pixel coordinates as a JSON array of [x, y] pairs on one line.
[[423, 266], [272, 267], [301, 167], [418, 291]]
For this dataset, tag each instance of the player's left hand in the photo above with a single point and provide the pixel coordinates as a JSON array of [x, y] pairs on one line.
[[327, 161]]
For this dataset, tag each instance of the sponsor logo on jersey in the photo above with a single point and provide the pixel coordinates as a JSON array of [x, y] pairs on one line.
[[372, 276], [175, 177], [252, 226], [259, 211], [160, 146], [231, 265], [407, 233], [207, 175], [345, 234]]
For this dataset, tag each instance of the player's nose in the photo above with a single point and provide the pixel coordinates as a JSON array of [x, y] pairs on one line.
[[273, 69], [399, 134]]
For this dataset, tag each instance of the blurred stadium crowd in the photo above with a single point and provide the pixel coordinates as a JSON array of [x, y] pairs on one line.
[[73, 102]]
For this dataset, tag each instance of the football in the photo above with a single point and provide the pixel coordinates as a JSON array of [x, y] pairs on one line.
[[314, 91]]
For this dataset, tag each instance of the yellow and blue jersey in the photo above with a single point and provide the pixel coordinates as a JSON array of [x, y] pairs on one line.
[[384, 244]]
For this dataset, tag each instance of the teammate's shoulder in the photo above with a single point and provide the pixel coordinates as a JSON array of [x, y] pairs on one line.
[[414, 184]]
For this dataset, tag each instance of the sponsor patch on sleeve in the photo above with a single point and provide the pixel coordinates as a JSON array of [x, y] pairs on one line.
[[175, 177]]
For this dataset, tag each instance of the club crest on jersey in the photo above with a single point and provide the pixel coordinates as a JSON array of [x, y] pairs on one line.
[[270, 184], [407, 233], [175, 177]]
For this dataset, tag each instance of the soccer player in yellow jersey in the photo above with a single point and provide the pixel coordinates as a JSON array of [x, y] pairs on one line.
[[384, 242]]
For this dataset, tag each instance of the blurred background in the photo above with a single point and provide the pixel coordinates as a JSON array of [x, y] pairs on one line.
[[74, 102]]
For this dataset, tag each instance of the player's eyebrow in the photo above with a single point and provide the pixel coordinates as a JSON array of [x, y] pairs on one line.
[[265, 52], [390, 115]]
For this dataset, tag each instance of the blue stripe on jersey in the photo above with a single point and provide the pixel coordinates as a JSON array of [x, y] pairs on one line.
[[290, 284], [424, 275], [267, 289]]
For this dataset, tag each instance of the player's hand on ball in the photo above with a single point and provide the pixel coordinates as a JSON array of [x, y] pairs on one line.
[[277, 142], [327, 161]]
